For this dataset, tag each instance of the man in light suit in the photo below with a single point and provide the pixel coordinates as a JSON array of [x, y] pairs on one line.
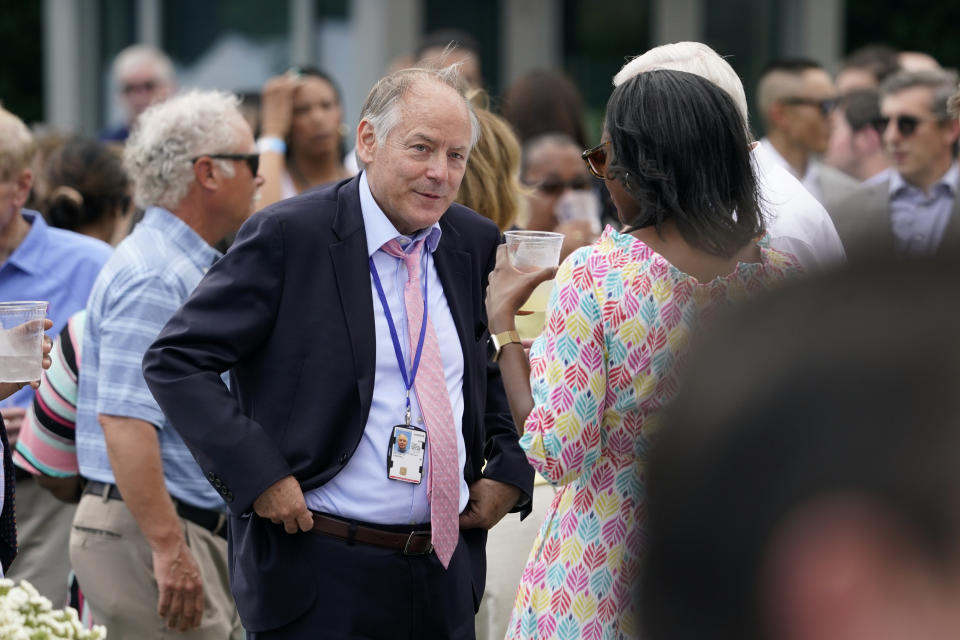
[[309, 313], [916, 211]]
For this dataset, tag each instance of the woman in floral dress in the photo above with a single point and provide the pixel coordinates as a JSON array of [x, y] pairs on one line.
[[621, 318]]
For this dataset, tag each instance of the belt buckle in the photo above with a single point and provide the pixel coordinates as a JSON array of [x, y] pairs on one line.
[[406, 546]]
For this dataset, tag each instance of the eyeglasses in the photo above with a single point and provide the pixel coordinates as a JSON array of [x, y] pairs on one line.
[[906, 125], [147, 86], [252, 159], [596, 159], [826, 105], [554, 186]]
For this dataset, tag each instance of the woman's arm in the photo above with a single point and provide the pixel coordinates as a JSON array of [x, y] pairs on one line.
[[277, 110], [507, 290]]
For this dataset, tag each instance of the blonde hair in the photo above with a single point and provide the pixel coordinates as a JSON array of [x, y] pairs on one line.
[[491, 184], [17, 146]]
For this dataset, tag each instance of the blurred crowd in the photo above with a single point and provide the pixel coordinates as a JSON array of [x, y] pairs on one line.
[[786, 472]]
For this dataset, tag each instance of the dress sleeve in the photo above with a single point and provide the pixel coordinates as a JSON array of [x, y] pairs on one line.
[[568, 377], [47, 442]]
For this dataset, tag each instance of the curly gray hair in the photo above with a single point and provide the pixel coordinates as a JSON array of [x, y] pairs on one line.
[[169, 135]]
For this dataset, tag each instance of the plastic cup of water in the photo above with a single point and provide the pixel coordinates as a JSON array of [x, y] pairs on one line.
[[533, 250], [21, 340]]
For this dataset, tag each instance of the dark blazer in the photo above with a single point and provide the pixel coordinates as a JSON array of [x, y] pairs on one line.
[[864, 226], [289, 311]]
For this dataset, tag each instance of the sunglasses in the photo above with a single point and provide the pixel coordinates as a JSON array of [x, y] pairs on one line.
[[252, 159], [554, 186], [135, 87], [826, 105], [906, 125], [596, 159]]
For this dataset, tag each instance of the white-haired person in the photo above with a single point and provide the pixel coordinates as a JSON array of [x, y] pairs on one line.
[[149, 543], [796, 222], [142, 75]]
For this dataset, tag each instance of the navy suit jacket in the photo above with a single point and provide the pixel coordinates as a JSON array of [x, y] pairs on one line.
[[289, 311]]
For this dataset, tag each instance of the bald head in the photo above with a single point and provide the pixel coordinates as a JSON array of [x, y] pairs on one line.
[[17, 146]]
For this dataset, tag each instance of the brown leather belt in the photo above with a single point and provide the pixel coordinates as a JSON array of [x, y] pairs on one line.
[[412, 543]]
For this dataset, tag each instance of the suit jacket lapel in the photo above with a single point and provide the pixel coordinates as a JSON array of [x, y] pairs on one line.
[[453, 269], [352, 274], [951, 234]]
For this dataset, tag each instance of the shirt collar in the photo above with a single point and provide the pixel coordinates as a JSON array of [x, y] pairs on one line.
[[774, 154], [28, 256], [950, 181], [181, 234], [380, 230]]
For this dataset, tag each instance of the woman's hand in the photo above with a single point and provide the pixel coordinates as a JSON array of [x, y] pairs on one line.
[[7, 389], [508, 289], [277, 105]]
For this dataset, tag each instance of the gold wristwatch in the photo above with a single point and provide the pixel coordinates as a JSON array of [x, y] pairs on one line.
[[499, 340]]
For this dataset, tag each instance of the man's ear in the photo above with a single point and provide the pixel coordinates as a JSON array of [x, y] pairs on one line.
[[203, 173], [366, 141], [24, 182], [777, 115], [952, 128]]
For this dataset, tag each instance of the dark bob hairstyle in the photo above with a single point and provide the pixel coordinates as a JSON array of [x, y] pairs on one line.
[[679, 150]]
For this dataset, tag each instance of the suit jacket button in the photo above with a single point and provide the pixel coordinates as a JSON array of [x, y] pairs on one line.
[[228, 496], [211, 476], [343, 459]]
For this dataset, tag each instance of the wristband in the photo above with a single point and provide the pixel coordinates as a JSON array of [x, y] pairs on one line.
[[271, 143]]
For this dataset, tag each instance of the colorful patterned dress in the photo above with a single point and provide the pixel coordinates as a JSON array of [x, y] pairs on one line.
[[619, 322]]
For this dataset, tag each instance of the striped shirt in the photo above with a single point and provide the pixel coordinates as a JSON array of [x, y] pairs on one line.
[[47, 443], [145, 281]]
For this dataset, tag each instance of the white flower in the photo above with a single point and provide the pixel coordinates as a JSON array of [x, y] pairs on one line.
[[27, 615]]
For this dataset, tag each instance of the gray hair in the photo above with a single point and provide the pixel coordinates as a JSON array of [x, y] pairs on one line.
[[138, 55], [692, 57], [941, 83], [954, 104], [17, 146], [169, 135], [382, 106]]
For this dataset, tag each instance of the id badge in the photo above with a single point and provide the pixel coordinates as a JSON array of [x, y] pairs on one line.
[[405, 454]]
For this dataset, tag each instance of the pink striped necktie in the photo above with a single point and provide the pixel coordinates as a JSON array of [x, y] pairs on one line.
[[443, 483]]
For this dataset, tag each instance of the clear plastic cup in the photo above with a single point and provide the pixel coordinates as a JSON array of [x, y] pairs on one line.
[[533, 250], [21, 340]]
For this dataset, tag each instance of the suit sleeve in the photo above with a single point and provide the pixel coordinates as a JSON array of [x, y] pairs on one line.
[[506, 461], [226, 320]]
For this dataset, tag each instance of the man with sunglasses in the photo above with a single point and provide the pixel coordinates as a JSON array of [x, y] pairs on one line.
[[795, 98], [916, 211], [143, 75], [149, 537], [856, 143]]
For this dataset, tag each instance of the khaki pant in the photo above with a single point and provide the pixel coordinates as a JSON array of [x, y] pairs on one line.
[[114, 566], [43, 529], [508, 547]]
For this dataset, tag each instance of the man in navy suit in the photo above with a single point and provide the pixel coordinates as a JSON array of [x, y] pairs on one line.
[[308, 312]]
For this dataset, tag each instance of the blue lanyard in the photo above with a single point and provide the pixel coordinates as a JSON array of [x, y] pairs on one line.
[[407, 380]]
